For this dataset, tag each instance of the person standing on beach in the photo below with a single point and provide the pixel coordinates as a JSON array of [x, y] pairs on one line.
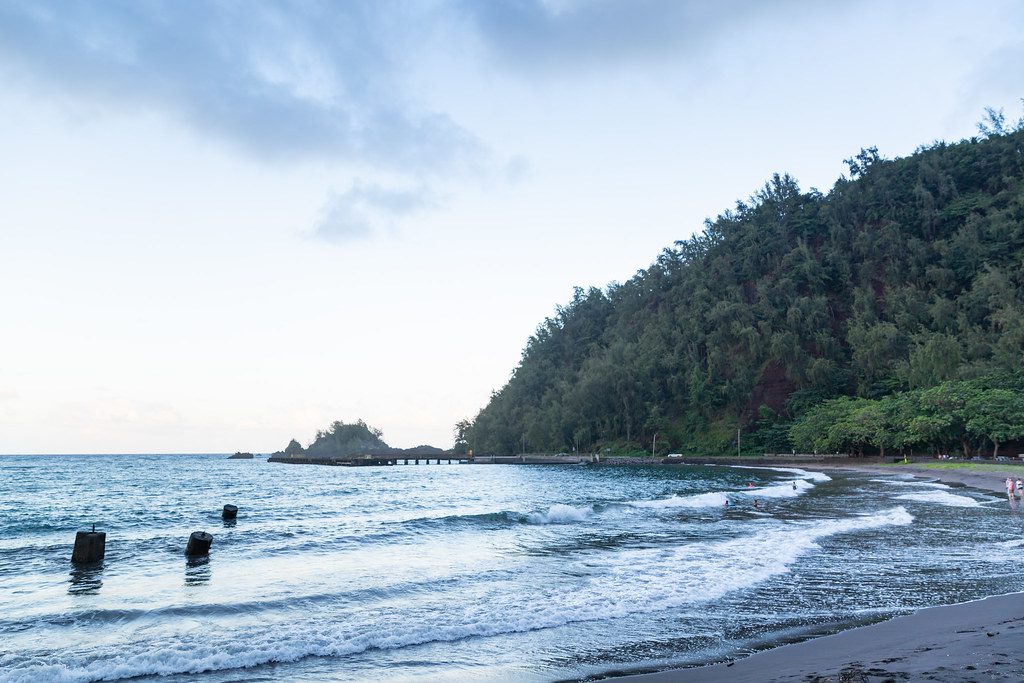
[[1020, 488], [1009, 487]]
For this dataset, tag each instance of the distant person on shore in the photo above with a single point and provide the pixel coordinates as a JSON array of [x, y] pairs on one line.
[[1020, 488], [1009, 487]]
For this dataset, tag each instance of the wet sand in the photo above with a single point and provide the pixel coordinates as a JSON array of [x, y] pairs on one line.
[[979, 641], [986, 480], [974, 641]]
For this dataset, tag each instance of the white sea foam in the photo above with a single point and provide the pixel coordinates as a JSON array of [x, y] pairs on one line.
[[941, 498], [561, 514], [898, 482], [788, 490], [803, 474], [700, 500], [998, 552], [622, 583]]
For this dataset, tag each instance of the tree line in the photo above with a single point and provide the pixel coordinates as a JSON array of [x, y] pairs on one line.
[[955, 417]]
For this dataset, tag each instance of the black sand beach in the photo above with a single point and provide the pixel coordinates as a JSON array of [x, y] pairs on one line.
[[987, 480], [981, 640], [974, 641]]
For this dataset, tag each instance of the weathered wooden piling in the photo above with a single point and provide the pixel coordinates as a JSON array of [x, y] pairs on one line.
[[199, 544], [90, 546], [230, 512]]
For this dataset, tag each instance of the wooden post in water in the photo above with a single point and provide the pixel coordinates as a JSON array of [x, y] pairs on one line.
[[199, 544], [230, 512], [90, 546]]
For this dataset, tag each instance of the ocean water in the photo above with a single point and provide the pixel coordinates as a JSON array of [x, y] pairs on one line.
[[465, 572]]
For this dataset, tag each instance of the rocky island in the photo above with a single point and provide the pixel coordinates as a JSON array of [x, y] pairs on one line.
[[350, 444]]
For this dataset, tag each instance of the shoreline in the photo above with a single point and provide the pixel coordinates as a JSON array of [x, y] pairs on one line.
[[978, 640], [970, 641], [990, 479]]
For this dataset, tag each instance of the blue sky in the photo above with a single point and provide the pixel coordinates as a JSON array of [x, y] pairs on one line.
[[226, 224]]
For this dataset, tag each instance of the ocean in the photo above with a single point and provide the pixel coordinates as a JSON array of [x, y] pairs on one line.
[[465, 572]]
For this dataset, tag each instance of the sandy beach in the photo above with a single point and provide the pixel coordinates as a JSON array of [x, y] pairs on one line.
[[981, 640], [975, 641]]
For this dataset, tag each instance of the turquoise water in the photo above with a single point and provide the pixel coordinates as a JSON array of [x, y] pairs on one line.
[[464, 572]]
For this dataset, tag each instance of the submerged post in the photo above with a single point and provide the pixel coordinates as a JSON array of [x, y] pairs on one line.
[[199, 544], [90, 546], [230, 512]]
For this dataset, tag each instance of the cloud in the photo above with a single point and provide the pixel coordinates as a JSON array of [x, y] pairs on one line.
[[516, 169], [367, 209], [555, 36], [279, 79]]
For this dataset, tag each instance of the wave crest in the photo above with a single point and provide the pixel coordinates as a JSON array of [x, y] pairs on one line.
[[561, 514], [700, 500]]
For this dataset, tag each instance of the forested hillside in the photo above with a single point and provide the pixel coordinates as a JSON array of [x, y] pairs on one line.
[[904, 276]]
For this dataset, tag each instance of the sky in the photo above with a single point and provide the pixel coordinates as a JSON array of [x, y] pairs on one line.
[[227, 224]]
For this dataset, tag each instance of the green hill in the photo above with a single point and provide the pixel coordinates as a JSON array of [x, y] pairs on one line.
[[904, 276]]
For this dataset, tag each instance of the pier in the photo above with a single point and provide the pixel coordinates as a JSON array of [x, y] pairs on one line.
[[381, 460]]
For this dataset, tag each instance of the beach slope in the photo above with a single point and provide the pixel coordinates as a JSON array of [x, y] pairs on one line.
[[981, 640]]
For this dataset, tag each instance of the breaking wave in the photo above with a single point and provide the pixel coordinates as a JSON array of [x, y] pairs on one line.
[[803, 474], [561, 514], [700, 500]]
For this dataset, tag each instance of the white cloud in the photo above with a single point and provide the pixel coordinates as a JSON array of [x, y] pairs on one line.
[[369, 209]]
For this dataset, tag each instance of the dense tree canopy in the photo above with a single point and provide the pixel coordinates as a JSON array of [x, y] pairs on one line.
[[796, 308], [953, 416]]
